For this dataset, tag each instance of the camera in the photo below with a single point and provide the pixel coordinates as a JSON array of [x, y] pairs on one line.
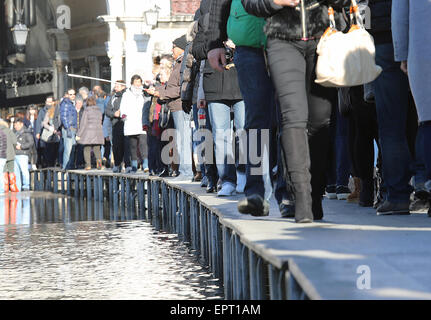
[[229, 55]]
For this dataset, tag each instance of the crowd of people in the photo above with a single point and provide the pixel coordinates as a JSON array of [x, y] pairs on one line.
[[245, 73]]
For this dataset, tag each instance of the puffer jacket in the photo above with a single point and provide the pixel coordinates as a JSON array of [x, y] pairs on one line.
[[308, 20], [24, 137], [91, 131], [68, 114]]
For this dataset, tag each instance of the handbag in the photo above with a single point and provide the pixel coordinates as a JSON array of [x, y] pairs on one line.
[[164, 116], [46, 135], [346, 59]]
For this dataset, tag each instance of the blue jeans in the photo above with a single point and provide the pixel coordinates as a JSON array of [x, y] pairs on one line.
[[425, 131], [2, 164], [184, 141], [22, 173], [391, 93], [219, 113], [68, 146], [260, 112], [339, 173], [419, 168]]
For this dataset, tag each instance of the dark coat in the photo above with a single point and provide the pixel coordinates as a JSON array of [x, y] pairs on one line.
[[91, 130], [381, 20], [25, 138], [113, 106], [308, 20], [217, 85]]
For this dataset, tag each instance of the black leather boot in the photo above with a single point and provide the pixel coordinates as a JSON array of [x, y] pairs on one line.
[[319, 156], [297, 155]]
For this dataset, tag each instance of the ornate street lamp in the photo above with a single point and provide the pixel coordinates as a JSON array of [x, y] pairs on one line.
[[152, 16], [20, 34]]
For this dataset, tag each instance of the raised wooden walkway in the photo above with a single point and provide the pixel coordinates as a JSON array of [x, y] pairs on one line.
[[352, 254]]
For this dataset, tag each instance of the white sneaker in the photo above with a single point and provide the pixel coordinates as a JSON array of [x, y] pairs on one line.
[[241, 180], [227, 190]]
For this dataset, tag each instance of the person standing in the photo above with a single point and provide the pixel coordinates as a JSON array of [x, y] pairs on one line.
[[40, 145], [90, 133], [120, 145], [52, 145], [223, 96], [69, 122], [391, 90], [412, 47], [171, 94], [24, 146], [132, 104]]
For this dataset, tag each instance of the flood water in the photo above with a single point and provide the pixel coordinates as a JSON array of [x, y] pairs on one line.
[[55, 247]]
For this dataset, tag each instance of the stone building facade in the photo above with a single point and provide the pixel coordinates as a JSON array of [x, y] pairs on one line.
[[107, 39]]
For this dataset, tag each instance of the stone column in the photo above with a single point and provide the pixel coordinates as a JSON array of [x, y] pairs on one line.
[[60, 80], [94, 65]]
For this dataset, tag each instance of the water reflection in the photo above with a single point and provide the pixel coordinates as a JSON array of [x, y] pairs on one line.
[[61, 248]]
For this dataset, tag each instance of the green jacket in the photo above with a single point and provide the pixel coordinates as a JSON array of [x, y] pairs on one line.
[[245, 29]]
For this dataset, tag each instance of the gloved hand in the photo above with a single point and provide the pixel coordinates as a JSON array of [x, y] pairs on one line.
[[145, 128]]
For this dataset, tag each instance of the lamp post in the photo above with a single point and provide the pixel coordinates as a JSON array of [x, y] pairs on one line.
[[152, 16]]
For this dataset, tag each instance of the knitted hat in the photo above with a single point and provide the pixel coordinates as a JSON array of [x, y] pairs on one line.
[[181, 42]]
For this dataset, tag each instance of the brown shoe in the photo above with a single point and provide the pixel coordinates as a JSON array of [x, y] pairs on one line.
[[198, 177], [354, 196], [87, 168]]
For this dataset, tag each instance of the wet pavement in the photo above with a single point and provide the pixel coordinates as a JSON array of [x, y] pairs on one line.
[[54, 247]]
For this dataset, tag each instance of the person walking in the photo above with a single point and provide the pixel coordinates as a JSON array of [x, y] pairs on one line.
[[293, 29], [412, 47], [90, 133]]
